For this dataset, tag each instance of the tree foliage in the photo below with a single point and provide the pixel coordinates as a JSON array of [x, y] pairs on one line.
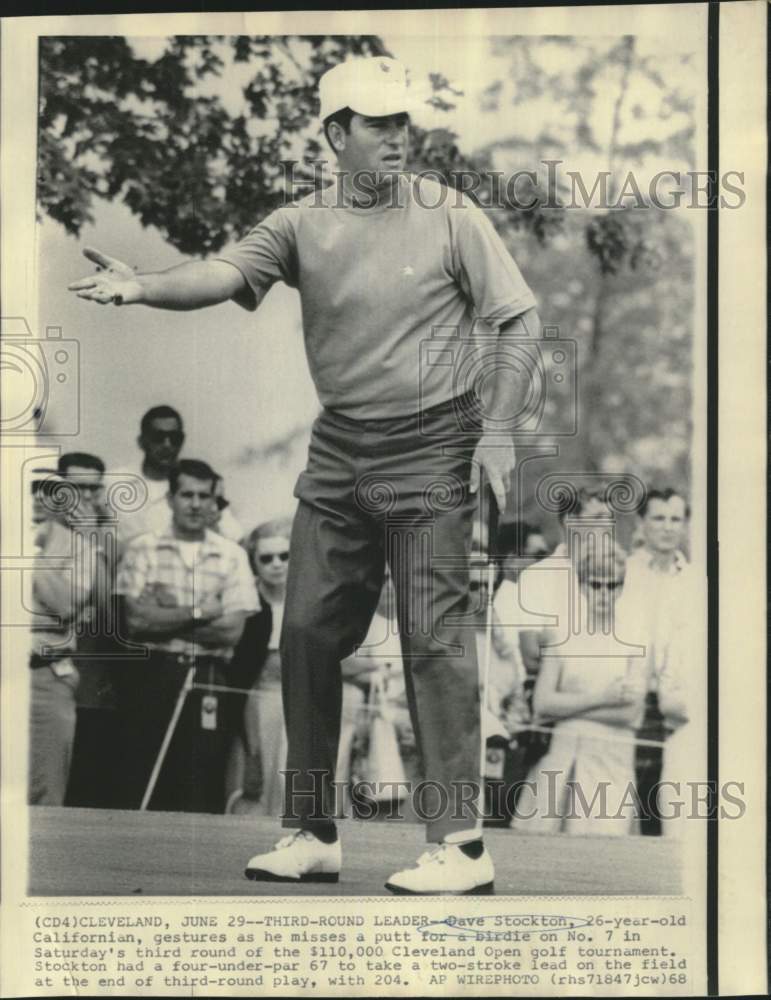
[[156, 135], [608, 104], [116, 125], [600, 101]]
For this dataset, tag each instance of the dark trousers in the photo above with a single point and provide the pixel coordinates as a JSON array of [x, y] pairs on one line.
[[192, 778], [95, 756], [377, 492], [648, 764]]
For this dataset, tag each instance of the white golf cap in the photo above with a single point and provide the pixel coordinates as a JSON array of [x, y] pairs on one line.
[[374, 87]]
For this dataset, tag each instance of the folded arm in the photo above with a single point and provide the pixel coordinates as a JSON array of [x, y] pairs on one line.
[[147, 620], [616, 704], [223, 631]]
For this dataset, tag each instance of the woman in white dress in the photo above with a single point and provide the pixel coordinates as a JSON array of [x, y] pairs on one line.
[[592, 688]]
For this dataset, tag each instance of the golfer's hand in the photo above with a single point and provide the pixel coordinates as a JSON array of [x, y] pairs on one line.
[[114, 281], [496, 457]]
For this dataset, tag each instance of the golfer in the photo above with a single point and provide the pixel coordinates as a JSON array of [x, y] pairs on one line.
[[396, 274]]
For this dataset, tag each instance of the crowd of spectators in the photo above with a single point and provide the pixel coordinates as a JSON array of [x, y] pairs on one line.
[[604, 650], [156, 674]]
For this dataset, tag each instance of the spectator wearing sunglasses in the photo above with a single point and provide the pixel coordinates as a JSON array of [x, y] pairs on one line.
[[62, 587], [595, 698], [540, 595], [161, 437], [259, 755]]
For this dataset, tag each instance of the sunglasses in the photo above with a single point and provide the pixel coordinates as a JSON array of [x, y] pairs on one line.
[[174, 437], [605, 584], [267, 559]]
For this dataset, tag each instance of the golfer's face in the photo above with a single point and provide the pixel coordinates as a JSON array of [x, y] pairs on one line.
[[377, 145]]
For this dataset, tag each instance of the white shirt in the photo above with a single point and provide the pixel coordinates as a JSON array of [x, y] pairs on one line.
[[153, 515], [539, 598], [668, 606], [189, 551]]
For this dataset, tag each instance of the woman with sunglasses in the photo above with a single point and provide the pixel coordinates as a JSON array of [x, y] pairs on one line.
[[257, 665], [592, 690]]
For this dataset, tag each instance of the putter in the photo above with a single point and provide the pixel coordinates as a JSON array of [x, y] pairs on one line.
[[484, 682]]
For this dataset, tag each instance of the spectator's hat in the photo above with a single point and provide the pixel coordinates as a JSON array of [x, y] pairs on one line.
[[375, 87]]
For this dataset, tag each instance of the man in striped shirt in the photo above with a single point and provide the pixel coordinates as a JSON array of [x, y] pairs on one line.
[[186, 594]]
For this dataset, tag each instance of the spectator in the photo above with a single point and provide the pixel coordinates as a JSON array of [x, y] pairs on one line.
[[540, 597], [518, 543], [187, 593], [161, 437], [257, 664], [535, 544], [94, 755], [536, 603], [660, 580], [86, 473], [595, 699], [59, 597], [661, 589], [221, 518]]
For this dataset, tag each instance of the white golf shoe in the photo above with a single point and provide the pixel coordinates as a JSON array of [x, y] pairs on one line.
[[298, 857], [445, 871]]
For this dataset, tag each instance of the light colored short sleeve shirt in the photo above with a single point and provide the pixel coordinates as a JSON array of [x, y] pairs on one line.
[[389, 295], [538, 599], [220, 569]]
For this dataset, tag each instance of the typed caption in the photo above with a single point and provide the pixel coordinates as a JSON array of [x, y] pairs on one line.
[[499, 946]]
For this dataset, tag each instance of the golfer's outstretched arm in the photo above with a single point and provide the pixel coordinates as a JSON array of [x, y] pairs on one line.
[[191, 285]]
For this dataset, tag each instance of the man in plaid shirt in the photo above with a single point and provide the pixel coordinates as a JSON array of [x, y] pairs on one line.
[[186, 595]]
